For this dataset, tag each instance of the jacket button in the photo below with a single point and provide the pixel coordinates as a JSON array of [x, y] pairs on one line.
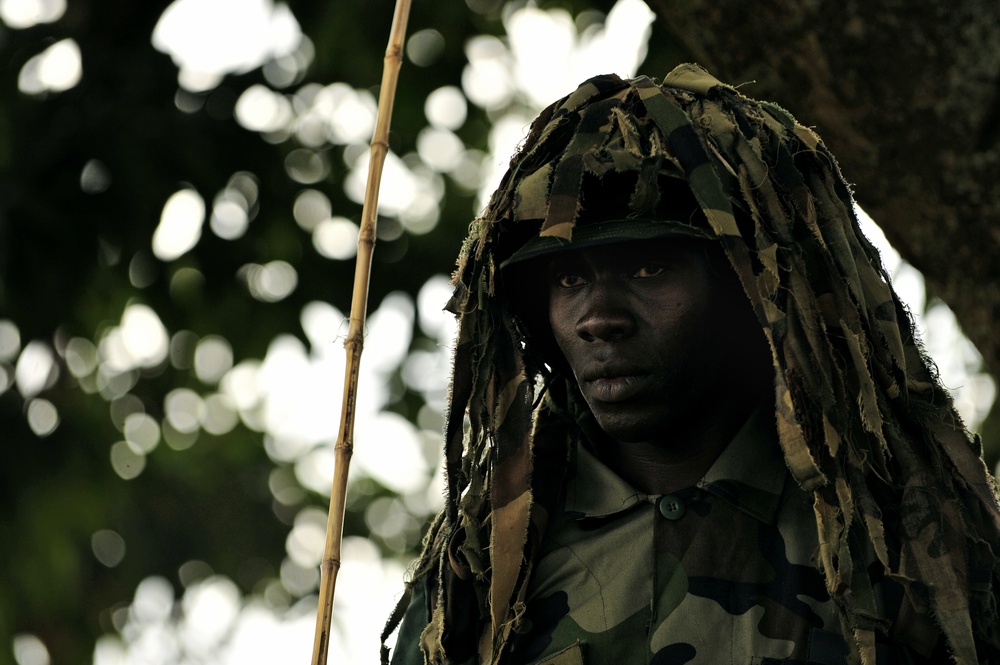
[[671, 507]]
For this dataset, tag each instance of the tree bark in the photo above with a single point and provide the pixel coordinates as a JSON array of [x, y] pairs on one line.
[[906, 95]]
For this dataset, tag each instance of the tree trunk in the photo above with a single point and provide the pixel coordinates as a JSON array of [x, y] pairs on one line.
[[906, 95]]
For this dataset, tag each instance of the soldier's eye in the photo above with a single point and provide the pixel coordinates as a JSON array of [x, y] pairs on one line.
[[649, 270], [568, 280]]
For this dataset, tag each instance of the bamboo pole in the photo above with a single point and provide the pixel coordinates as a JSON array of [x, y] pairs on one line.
[[330, 566]]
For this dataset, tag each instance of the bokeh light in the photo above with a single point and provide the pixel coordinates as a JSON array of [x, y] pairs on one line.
[[143, 336], [424, 47], [180, 225], [193, 571], [299, 580], [184, 409], [229, 220], [445, 108], [349, 114], [182, 348], [486, 80], [240, 385], [142, 432], [36, 368], [551, 57], [29, 650], [21, 14], [235, 206], [440, 149], [210, 38], [186, 284], [213, 357], [219, 415], [108, 547], [176, 439], [6, 377], [306, 166], [95, 177], [308, 536], [10, 340], [122, 407], [287, 70], [409, 192], [270, 282], [126, 462], [542, 43], [336, 238], [210, 607], [113, 384], [56, 69], [260, 109], [392, 453], [310, 208], [153, 601], [42, 416], [389, 520], [81, 357]]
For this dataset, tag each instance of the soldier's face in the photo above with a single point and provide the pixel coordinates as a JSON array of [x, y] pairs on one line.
[[655, 334]]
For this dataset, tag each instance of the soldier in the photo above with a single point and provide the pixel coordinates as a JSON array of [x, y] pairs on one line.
[[689, 420]]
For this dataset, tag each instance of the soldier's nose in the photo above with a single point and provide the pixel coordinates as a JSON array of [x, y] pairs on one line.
[[604, 314]]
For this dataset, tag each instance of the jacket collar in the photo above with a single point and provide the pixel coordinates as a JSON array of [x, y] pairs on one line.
[[750, 475]]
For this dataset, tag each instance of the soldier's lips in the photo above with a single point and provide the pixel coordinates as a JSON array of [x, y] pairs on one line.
[[613, 389]]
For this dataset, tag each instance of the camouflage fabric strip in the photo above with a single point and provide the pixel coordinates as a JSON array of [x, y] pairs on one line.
[[567, 181], [705, 184]]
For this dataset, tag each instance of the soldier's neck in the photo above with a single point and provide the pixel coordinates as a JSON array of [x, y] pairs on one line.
[[680, 459]]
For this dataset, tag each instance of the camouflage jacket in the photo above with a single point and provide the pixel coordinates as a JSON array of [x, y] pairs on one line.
[[722, 572]]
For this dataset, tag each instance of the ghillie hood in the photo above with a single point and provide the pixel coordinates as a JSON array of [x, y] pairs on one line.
[[863, 422]]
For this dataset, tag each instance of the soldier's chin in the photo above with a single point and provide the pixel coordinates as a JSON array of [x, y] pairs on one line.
[[626, 427]]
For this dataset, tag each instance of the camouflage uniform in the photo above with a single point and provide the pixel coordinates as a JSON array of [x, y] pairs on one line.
[[887, 526], [717, 573], [723, 572]]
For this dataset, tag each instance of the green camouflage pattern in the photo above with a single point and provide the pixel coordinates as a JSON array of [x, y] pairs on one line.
[[897, 487], [617, 582], [731, 579]]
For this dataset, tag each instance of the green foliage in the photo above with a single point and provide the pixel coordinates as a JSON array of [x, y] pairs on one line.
[[71, 260]]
